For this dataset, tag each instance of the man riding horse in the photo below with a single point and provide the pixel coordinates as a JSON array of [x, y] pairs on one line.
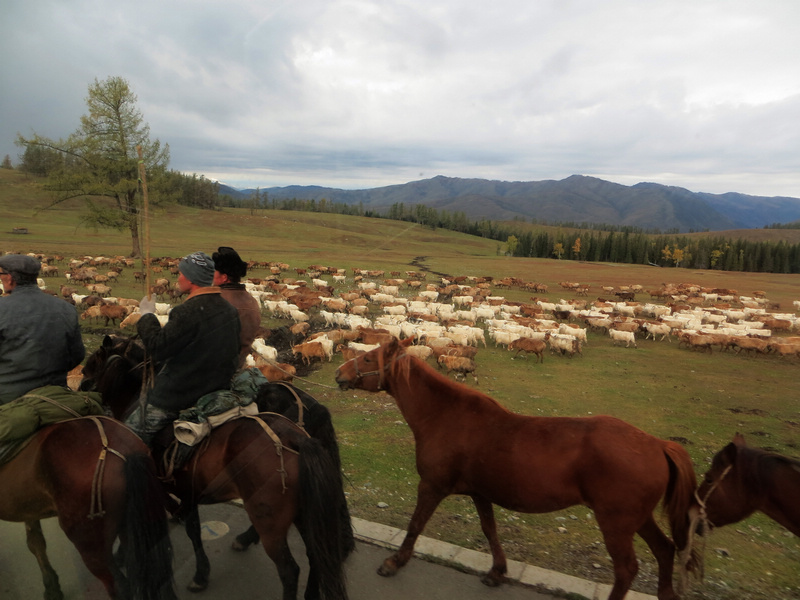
[[197, 350]]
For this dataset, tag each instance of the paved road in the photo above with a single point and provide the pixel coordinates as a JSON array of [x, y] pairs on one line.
[[243, 576]]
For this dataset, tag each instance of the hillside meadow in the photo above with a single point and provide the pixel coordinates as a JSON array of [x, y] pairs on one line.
[[699, 399]]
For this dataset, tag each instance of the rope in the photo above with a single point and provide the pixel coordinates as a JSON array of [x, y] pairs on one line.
[[700, 518], [96, 504]]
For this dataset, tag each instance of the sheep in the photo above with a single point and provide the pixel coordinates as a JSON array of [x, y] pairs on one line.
[[420, 352], [565, 344], [460, 365], [528, 345], [113, 312], [309, 351], [265, 352], [278, 372], [622, 336], [654, 329]]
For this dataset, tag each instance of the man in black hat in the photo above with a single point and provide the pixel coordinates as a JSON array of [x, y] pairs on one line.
[[40, 337], [228, 274], [197, 349]]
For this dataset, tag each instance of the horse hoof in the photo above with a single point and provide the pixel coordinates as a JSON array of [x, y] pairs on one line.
[[387, 569], [490, 580], [195, 587]]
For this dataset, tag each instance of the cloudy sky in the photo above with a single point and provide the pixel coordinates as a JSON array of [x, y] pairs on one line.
[[702, 94]]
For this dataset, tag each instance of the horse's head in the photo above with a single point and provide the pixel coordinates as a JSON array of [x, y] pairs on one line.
[[720, 493], [115, 370], [369, 370]]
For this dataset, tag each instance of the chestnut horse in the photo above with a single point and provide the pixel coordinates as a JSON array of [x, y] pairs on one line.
[[97, 477], [305, 410], [281, 474], [743, 480], [466, 443]]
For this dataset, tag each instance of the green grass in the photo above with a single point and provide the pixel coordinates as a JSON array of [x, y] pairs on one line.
[[669, 392]]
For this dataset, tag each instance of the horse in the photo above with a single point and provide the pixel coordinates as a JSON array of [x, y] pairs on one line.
[[305, 410], [282, 475], [743, 480], [467, 443], [98, 478]]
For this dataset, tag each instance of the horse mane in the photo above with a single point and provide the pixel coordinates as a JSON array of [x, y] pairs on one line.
[[755, 464], [403, 365]]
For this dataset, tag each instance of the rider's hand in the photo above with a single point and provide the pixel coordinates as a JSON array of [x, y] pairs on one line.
[[147, 306]]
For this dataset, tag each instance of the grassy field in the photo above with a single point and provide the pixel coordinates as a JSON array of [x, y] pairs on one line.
[[670, 392]]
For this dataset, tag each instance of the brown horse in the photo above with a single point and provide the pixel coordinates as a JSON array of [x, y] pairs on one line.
[[743, 480], [281, 474], [466, 443], [97, 477], [302, 408]]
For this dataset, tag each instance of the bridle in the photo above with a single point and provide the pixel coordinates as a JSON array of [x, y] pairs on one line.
[[379, 372]]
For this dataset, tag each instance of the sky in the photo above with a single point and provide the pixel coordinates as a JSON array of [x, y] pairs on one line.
[[353, 94]]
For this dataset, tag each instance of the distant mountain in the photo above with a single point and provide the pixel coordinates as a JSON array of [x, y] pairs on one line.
[[576, 199]]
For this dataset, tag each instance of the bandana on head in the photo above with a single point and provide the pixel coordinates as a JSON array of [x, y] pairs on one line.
[[198, 268]]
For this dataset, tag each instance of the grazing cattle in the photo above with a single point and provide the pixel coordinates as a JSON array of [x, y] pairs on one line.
[[527, 346], [460, 365], [622, 336]]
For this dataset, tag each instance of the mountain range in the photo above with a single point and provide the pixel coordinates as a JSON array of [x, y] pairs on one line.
[[577, 199]]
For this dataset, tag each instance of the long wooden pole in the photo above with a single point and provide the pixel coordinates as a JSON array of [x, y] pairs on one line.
[[146, 221]]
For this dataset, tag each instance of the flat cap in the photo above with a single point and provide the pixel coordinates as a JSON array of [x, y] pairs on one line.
[[20, 263]]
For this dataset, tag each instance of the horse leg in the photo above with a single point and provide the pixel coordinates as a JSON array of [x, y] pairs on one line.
[[619, 544], [496, 575], [38, 547], [427, 501], [244, 540], [664, 550], [202, 567], [273, 538]]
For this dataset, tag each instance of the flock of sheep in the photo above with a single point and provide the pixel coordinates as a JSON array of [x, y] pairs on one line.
[[334, 311]]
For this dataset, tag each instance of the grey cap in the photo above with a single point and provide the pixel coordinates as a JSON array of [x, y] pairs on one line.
[[198, 267], [20, 263]]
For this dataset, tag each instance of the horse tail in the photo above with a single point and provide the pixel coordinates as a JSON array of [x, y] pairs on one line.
[[679, 500], [319, 518], [320, 426], [148, 551]]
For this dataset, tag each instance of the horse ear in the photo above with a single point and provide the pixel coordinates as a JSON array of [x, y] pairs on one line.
[[108, 342], [730, 452], [407, 342], [738, 439]]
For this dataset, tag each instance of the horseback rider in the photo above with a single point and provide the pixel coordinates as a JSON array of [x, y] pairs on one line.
[[197, 350], [229, 269], [40, 337]]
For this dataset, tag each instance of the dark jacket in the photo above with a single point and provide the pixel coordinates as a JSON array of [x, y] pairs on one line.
[[249, 315], [40, 341], [198, 349]]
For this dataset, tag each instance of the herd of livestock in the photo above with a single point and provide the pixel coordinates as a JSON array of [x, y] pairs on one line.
[[331, 310]]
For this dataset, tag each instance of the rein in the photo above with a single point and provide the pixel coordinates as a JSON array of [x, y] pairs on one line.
[[700, 518]]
